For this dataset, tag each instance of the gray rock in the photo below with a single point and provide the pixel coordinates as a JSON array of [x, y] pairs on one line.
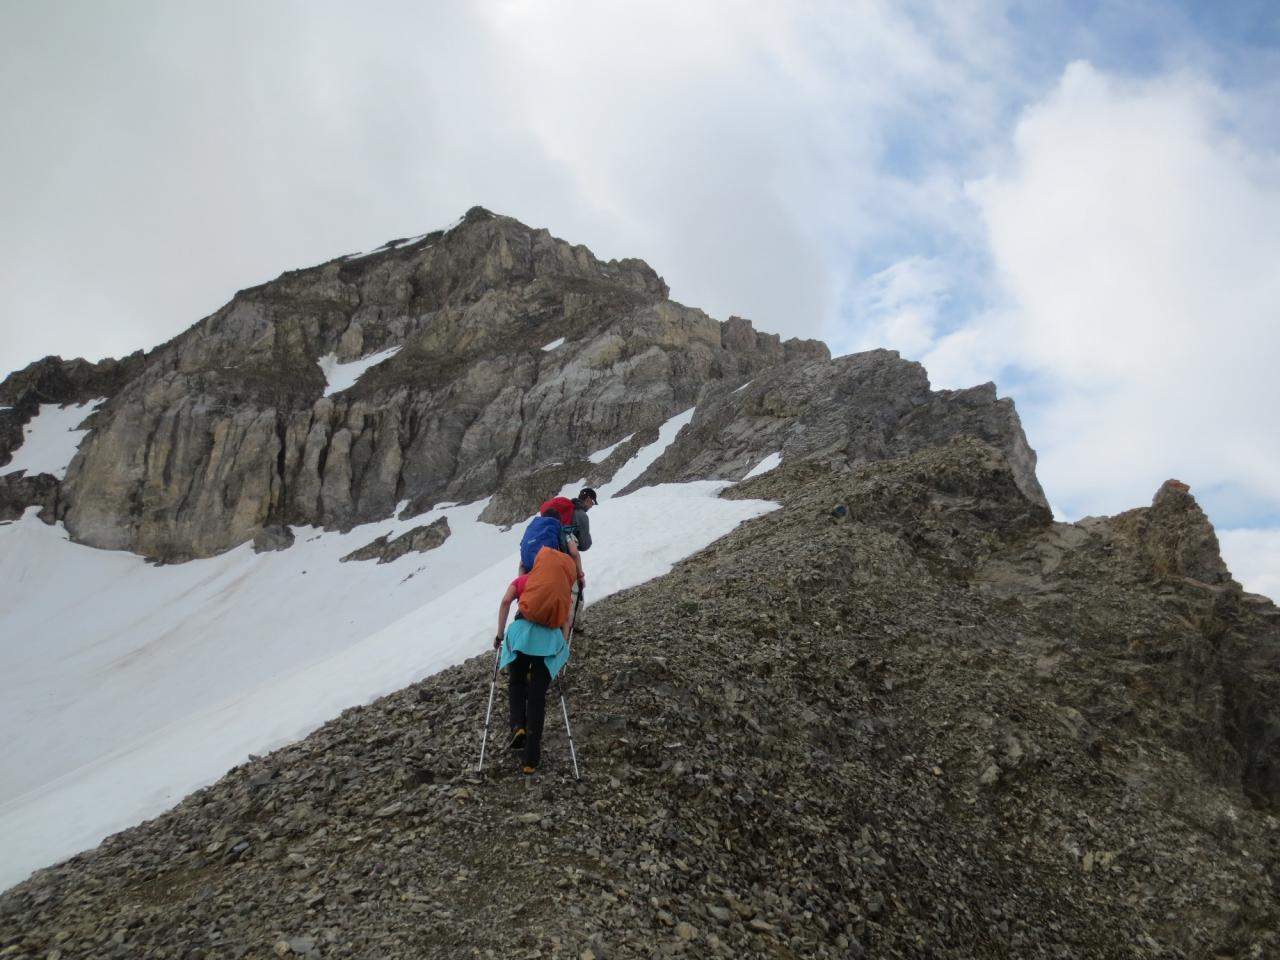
[[418, 540], [19, 491], [842, 412], [272, 537]]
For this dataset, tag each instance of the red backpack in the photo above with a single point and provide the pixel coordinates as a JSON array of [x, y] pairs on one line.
[[563, 506]]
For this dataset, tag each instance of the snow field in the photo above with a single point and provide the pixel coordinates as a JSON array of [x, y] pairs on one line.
[[132, 685]]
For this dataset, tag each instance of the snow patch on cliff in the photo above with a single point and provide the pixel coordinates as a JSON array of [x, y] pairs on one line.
[[50, 440], [342, 376]]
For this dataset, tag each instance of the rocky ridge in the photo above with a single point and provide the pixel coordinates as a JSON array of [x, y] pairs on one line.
[[907, 715], [227, 430]]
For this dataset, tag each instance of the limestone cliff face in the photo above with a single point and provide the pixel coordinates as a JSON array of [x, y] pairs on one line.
[[226, 430]]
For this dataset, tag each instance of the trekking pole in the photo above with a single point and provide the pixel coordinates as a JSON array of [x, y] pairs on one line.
[[488, 714], [577, 609], [573, 753]]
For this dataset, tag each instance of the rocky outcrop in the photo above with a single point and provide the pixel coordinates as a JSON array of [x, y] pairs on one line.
[[18, 492], [1203, 660], [1172, 538], [843, 412], [418, 540], [54, 380], [905, 715], [50, 381], [271, 538]]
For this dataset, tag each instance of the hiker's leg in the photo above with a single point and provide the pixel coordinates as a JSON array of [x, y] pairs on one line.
[[518, 689], [539, 680]]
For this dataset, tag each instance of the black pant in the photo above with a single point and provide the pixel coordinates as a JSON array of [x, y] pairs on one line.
[[528, 679]]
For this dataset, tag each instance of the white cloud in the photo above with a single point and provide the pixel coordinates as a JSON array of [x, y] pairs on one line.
[[743, 150], [1254, 559], [1135, 235], [896, 308], [739, 151]]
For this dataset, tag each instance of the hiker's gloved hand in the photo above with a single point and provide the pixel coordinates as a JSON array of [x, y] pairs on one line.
[[582, 580], [497, 641]]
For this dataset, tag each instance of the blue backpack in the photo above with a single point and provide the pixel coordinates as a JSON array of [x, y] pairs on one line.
[[542, 532]]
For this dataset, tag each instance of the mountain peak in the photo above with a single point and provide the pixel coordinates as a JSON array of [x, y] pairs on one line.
[[476, 214], [478, 361]]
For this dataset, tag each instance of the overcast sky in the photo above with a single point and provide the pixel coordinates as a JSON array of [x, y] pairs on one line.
[[1078, 201]]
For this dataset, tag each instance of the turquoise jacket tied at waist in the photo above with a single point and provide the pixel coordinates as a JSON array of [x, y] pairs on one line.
[[535, 640]]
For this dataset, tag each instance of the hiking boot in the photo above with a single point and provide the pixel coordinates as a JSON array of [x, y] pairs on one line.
[[517, 739]]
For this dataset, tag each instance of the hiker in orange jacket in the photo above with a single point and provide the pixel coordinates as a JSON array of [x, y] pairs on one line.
[[535, 652]]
